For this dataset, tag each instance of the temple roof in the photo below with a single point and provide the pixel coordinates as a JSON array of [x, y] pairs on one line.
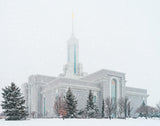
[[101, 74], [63, 82]]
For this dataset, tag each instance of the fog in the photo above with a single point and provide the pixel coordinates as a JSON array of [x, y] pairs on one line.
[[116, 35]]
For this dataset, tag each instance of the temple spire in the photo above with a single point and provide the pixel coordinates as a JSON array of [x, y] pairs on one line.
[[72, 22]]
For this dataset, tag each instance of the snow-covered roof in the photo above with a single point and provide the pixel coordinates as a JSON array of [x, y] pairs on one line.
[[131, 91], [63, 82], [138, 90], [72, 81], [101, 74], [40, 78]]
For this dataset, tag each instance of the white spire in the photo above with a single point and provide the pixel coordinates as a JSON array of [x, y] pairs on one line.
[[72, 22]]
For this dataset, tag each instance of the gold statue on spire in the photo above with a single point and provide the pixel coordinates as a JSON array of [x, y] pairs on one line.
[[72, 22], [72, 15]]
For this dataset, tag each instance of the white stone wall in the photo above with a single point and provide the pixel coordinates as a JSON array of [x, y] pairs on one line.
[[33, 88], [80, 93], [41, 87], [25, 93], [136, 97]]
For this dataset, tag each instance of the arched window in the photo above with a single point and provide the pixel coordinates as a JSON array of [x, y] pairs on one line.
[[114, 90]]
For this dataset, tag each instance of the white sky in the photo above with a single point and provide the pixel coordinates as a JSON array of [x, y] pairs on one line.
[[120, 35]]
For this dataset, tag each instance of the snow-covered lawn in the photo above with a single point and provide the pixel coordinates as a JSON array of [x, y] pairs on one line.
[[82, 122]]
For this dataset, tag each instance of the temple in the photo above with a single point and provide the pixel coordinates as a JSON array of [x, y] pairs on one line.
[[41, 91]]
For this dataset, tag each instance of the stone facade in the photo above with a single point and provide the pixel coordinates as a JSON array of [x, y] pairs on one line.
[[41, 91]]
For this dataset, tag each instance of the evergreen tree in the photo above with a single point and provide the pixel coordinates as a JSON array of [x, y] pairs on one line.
[[71, 104], [103, 109], [91, 108], [13, 103]]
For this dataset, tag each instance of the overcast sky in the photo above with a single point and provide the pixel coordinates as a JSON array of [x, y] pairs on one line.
[[120, 35]]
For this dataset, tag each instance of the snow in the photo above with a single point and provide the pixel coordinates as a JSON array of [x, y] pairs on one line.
[[82, 122]]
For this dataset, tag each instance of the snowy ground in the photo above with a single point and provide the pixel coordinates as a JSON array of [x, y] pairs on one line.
[[82, 122]]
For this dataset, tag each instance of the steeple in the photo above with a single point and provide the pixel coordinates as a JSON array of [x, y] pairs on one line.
[[73, 69], [72, 22]]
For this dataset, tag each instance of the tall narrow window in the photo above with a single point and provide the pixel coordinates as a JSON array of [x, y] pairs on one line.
[[74, 59], [68, 54], [113, 90]]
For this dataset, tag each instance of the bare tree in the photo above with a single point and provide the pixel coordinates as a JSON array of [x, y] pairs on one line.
[[33, 114], [143, 110], [121, 105], [158, 109], [148, 111], [129, 109], [56, 106], [153, 111], [110, 107], [60, 106], [124, 108], [158, 106], [2, 115]]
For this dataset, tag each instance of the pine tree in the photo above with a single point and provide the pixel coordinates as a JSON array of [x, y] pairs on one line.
[[13, 103], [91, 107], [71, 104], [103, 109]]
